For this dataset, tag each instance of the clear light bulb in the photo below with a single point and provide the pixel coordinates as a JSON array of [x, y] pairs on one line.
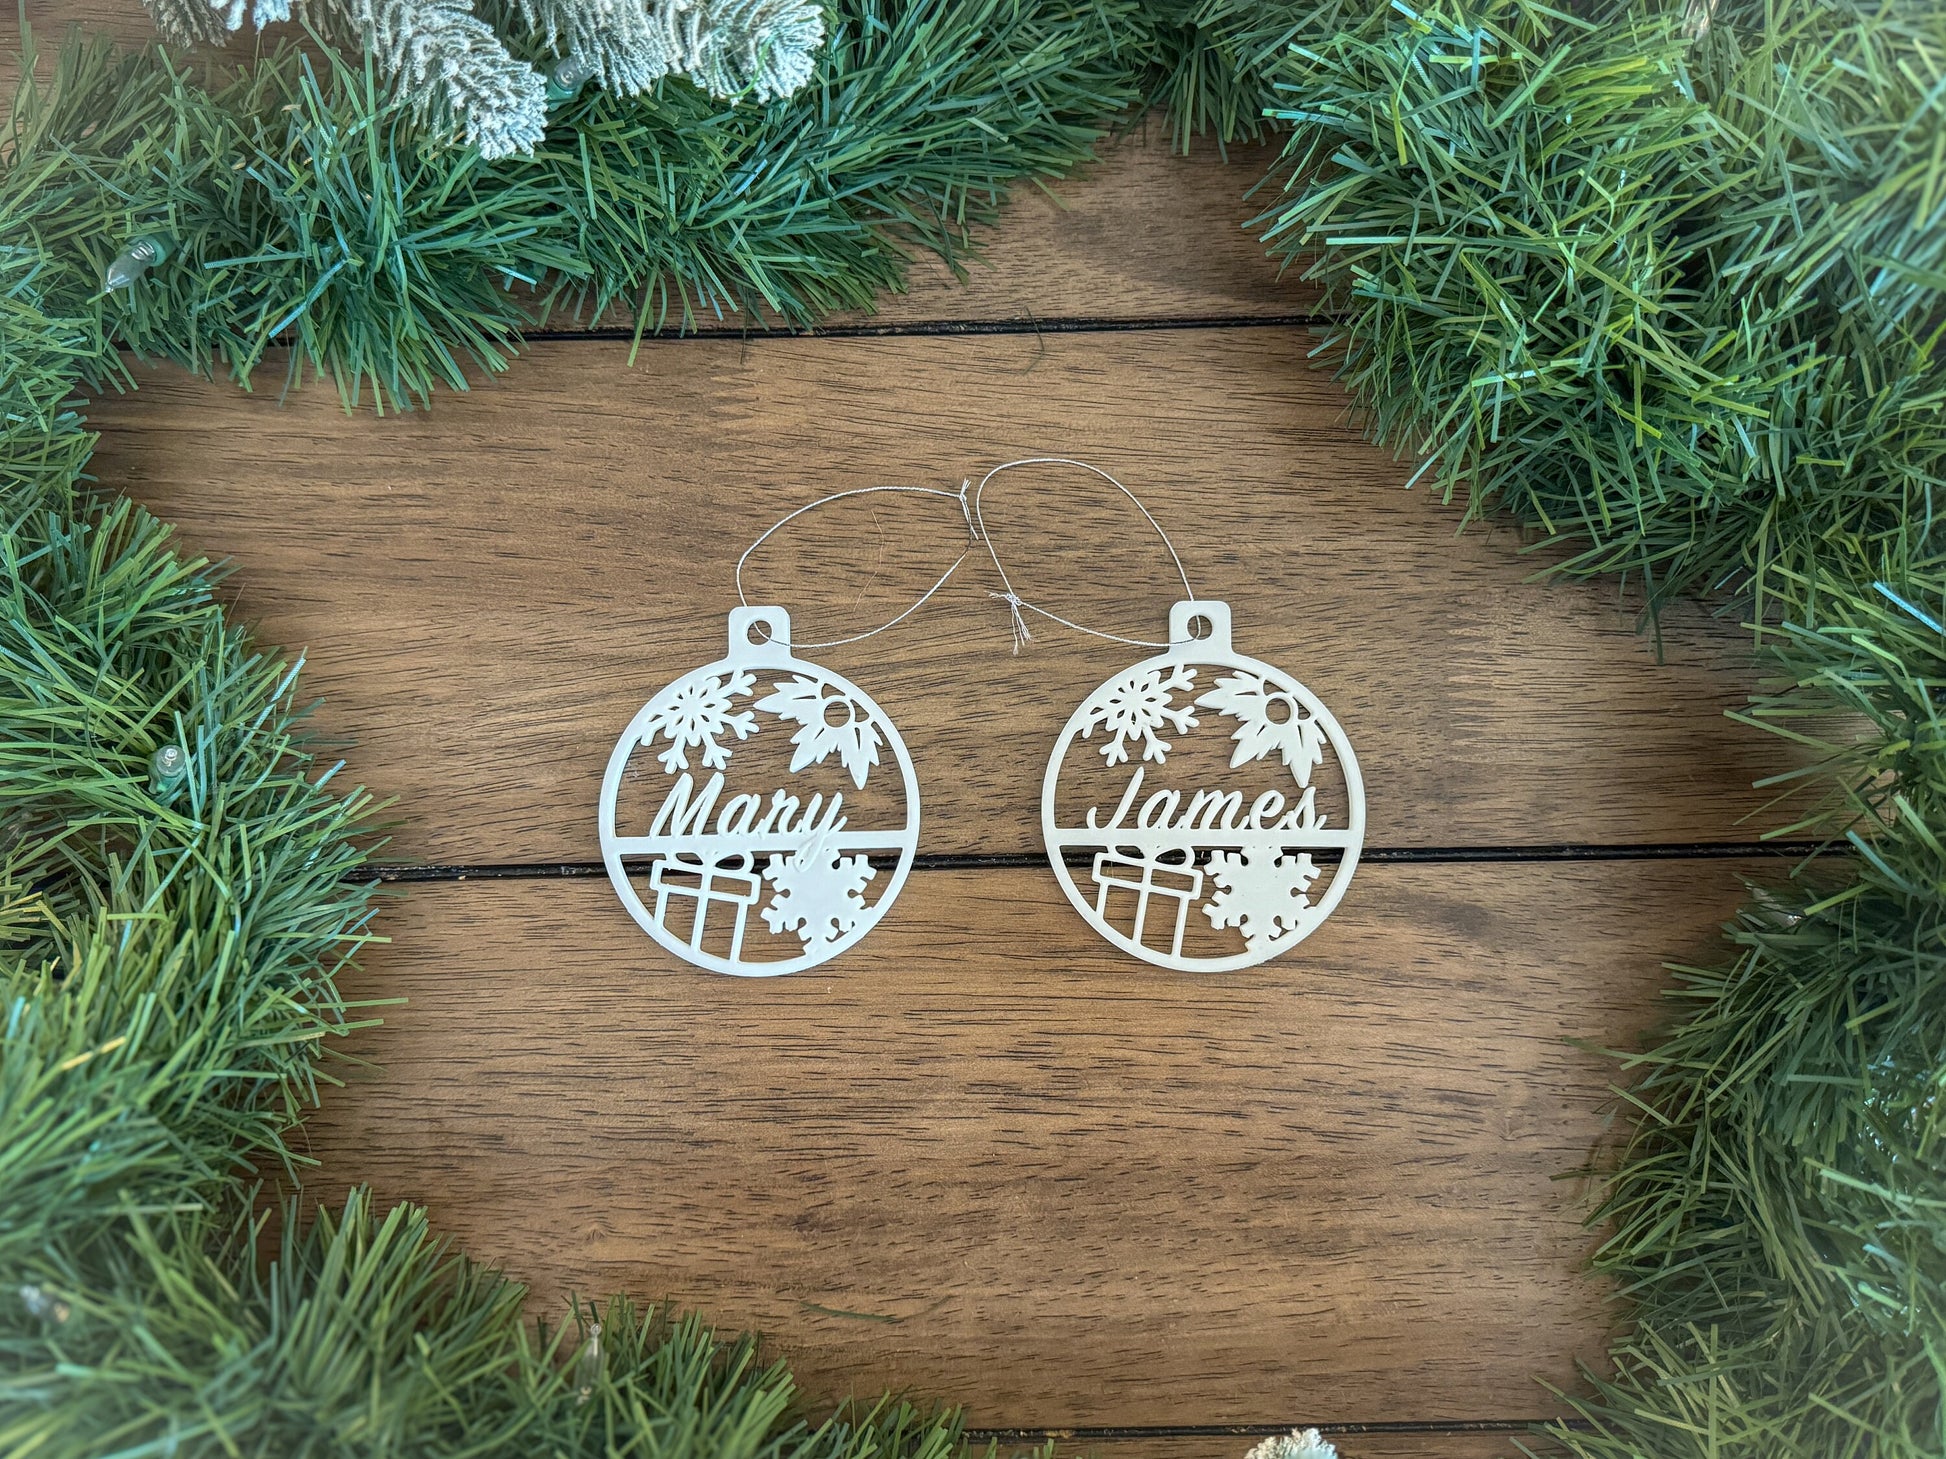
[[43, 1304], [589, 1364], [567, 76], [141, 255], [167, 767]]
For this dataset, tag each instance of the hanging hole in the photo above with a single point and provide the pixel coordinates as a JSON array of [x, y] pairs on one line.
[[1201, 621], [1280, 709], [760, 633], [837, 713]]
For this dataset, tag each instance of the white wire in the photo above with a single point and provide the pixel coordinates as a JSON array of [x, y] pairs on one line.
[[976, 524], [823, 501], [1016, 603]]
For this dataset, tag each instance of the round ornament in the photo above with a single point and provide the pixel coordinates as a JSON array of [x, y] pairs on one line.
[[760, 814], [1203, 810]]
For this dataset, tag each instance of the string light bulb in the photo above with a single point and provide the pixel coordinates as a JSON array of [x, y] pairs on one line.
[[167, 767], [567, 76], [43, 1304], [589, 1364], [141, 255]]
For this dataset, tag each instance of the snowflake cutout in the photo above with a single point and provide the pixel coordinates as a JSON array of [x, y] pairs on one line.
[[1261, 892], [852, 734], [1247, 699], [696, 714], [819, 894], [1136, 708]]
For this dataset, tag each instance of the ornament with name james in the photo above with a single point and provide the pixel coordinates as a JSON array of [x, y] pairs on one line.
[[1203, 810]]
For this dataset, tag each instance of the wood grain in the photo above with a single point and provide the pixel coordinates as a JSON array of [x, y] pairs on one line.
[[1143, 234], [984, 1156], [123, 21], [490, 589]]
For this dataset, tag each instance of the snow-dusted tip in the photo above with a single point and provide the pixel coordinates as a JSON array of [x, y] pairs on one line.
[[1297, 1444], [763, 48]]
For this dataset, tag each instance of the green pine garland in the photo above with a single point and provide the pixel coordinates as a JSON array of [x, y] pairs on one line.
[[1664, 280], [306, 204]]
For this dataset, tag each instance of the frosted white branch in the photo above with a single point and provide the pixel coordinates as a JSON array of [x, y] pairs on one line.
[[453, 58], [765, 47], [442, 53], [188, 22], [1298, 1444]]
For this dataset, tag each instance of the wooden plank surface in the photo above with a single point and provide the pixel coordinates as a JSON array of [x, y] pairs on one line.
[[123, 21], [490, 589], [1143, 234], [984, 1156]]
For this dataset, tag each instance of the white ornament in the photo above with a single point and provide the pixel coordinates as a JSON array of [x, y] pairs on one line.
[[700, 857], [1184, 874]]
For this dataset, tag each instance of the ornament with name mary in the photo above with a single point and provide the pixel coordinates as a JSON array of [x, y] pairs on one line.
[[760, 814]]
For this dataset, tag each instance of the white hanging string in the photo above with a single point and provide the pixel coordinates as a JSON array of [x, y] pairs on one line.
[[825, 501], [1018, 606]]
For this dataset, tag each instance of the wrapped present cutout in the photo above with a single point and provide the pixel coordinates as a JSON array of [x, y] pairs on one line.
[[1148, 876], [726, 883]]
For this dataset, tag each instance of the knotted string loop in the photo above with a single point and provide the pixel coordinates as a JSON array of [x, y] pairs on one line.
[[1017, 606]]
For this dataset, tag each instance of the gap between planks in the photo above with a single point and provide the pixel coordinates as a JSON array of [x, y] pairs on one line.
[[489, 591], [1002, 861], [937, 328], [1485, 1440]]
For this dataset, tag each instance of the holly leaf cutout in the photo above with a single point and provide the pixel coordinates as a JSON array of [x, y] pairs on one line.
[[1250, 701], [826, 721]]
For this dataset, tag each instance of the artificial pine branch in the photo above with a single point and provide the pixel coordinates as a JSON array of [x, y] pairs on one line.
[[1215, 65], [170, 948], [1664, 280], [1568, 280], [43, 444], [1778, 1217], [394, 266]]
